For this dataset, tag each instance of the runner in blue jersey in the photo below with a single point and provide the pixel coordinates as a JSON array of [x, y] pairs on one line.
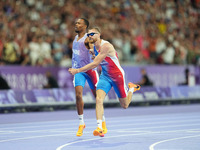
[[80, 58]]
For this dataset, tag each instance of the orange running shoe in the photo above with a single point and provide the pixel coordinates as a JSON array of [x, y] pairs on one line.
[[80, 130], [135, 86], [98, 132], [105, 130]]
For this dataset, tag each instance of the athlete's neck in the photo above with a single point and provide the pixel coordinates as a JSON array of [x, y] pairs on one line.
[[81, 34], [98, 43]]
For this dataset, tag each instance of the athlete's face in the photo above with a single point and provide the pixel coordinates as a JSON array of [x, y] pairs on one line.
[[80, 26], [93, 35]]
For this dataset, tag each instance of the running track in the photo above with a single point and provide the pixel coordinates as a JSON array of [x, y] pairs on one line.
[[175, 127]]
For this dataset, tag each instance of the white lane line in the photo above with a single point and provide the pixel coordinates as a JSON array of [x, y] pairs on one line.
[[167, 126], [31, 137], [151, 147], [194, 131], [90, 127], [114, 121], [3, 132], [67, 129], [97, 138], [52, 135], [136, 118]]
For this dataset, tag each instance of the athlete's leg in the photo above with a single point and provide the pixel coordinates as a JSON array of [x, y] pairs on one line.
[[99, 104], [92, 79], [79, 100], [103, 87], [124, 102], [79, 82], [80, 106], [99, 113], [127, 100]]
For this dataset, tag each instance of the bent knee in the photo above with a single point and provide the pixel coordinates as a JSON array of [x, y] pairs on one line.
[[78, 97], [99, 100]]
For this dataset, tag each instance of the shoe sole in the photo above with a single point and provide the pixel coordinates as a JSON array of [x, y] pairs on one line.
[[96, 133], [79, 135]]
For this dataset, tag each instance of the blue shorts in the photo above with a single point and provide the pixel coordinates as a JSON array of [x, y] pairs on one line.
[[91, 76], [106, 83]]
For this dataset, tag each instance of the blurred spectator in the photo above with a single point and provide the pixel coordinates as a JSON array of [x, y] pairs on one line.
[[168, 54], [187, 73], [145, 81], [126, 48], [35, 51], [45, 48], [10, 51], [57, 50], [31, 28], [66, 61], [51, 81]]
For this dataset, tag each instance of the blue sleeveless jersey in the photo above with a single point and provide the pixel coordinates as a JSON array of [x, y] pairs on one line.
[[81, 56]]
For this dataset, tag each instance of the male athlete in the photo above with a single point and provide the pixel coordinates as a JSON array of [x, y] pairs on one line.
[[112, 75], [80, 58]]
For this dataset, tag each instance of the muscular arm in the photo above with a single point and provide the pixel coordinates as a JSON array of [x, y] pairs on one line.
[[89, 45], [105, 49]]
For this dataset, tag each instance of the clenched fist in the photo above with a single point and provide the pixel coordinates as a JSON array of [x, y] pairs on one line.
[[73, 71]]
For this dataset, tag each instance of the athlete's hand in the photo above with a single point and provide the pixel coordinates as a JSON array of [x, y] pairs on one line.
[[73, 71], [93, 57], [91, 51]]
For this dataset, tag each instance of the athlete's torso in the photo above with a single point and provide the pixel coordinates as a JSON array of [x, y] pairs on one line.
[[110, 65], [80, 56]]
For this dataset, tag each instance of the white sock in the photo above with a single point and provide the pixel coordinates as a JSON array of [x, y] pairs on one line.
[[99, 123], [103, 118], [81, 121], [131, 90]]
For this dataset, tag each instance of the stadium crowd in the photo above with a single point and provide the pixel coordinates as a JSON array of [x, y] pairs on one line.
[[41, 32]]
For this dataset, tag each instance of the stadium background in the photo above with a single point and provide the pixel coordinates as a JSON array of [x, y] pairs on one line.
[[36, 36]]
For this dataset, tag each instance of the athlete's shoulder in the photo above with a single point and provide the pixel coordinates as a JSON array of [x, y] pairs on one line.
[[106, 44]]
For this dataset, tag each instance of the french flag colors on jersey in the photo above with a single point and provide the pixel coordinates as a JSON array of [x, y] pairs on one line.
[[112, 75]]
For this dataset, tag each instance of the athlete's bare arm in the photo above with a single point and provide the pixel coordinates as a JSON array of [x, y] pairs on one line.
[[89, 45], [111, 49], [106, 50]]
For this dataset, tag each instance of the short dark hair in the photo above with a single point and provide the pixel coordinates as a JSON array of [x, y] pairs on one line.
[[86, 22]]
